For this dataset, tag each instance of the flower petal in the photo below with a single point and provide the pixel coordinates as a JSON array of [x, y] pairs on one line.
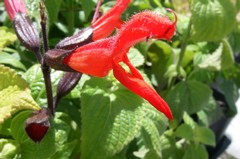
[[136, 84]]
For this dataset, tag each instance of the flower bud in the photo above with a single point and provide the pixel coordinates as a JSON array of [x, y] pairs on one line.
[[55, 59], [84, 36], [14, 6], [38, 125], [67, 83], [26, 32]]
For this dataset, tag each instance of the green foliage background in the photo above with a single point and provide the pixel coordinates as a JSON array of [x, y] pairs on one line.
[[101, 119]]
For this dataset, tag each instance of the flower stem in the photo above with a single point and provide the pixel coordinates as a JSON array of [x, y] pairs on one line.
[[45, 68], [184, 46], [184, 43]]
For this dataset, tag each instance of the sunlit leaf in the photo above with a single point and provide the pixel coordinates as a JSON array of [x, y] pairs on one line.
[[14, 94]]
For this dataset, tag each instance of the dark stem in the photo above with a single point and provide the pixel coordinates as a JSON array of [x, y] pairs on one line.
[[45, 68], [38, 55]]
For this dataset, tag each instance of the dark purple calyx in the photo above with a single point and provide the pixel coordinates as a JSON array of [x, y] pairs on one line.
[[38, 124]]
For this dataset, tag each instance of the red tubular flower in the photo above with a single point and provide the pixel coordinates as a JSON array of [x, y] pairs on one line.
[[105, 25], [14, 6], [98, 58]]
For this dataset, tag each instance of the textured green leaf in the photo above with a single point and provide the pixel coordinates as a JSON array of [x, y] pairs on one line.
[[201, 75], [161, 56], [169, 147], [154, 125], [8, 149], [111, 118], [65, 150], [184, 131], [190, 96], [17, 126], [136, 57], [231, 93], [212, 19], [14, 94], [8, 59], [33, 8], [36, 82], [53, 7], [7, 37], [189, 120], [220, 59], [196, 152], [204, 135], [87, 6]]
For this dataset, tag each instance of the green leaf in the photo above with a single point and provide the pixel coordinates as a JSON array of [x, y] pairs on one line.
[[8, 59], [184, 131], [36, 82], [14, 94], [172, 72], [169, 147], [204, 135], [231, 94], [7, 37], [87, 6], [161, 56], [65, 150], [220, 59], [8, 149], [189, 96], [53, 7], [33, 8], [17, 126], [136, 57], [212, 19], [196, 152], [201, 75], [189, 120], [111, 120]]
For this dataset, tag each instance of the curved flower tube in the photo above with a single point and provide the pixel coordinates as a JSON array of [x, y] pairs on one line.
[[98, 58], [14, 6], [134, 82], [105, 25]]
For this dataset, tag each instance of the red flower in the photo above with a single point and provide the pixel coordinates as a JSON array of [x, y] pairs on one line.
[[99, 57], [14, 6], [105, 25]]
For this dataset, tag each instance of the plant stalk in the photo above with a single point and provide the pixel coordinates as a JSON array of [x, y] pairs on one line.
[[45, 68], [184, 46], [181, 54]]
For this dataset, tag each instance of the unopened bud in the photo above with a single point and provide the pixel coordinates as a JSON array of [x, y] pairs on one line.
[[26, 32], [38, 125], [67, 83]]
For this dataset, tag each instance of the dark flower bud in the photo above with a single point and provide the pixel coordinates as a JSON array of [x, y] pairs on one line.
[[26, 32], [55, 59], [67, 83], [38, 124], [83, 37]]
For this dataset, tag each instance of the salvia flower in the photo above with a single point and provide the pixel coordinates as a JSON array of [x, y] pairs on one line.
[[14, 6], [98, 58]]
